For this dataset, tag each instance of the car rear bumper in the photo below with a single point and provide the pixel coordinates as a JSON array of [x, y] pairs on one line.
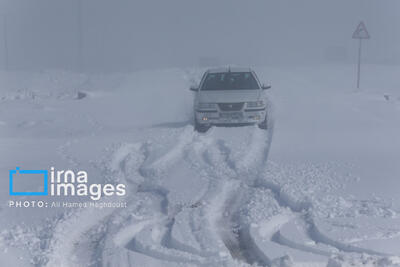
[[208, 117]]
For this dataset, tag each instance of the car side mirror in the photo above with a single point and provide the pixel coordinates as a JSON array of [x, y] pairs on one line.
[[266, 87], [194, 88]]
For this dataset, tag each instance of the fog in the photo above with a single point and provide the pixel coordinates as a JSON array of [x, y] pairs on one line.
[[122, 35]]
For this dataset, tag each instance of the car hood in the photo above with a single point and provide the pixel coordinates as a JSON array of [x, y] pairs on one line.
[[229, 96]]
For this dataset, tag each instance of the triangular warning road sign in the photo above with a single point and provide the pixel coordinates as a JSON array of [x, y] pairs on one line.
[[361, 32]]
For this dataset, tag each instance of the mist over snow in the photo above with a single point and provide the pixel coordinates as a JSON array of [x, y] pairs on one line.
[[100, 35], [103, 87]]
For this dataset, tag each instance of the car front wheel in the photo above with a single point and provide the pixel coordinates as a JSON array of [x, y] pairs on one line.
[[201, 128], [264, 125]]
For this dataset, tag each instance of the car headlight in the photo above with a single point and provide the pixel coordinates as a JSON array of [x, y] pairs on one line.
[[206, 106], [255, 104]]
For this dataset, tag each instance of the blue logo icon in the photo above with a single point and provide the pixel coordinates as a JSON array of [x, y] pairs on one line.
[[17, 171]]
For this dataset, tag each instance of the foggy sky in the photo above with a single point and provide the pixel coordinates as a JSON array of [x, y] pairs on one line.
[[123, 35]]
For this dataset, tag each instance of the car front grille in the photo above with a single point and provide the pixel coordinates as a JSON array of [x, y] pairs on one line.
[[230, 106]]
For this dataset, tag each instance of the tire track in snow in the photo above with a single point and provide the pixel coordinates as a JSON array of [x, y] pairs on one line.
[[232, 228], [278, 238], [163, 163], [153, 170], [167, 222], [236, 235], [67, 238], [205, 150], [205, 211], [96, 218], [240, 242], [120, 235], [312, 231], [217, 163], [235, 232], [168, 248], [317, 236]]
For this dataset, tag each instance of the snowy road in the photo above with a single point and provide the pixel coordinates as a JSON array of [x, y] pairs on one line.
[[289, 196], [214, 227]]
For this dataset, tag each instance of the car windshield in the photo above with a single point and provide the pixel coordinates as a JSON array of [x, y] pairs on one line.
[[230, 81]]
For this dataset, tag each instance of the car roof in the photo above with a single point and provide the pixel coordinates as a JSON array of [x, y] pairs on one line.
[[229, 69]]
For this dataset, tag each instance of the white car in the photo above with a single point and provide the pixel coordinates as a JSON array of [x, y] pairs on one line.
[[230, 96]]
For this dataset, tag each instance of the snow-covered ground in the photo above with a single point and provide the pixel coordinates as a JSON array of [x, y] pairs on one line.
[[319, 188]]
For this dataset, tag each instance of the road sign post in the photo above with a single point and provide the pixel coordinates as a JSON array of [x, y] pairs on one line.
[[79, 55], [360, 33], [5, 41]]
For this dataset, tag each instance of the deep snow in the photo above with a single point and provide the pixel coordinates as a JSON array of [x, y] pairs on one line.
[[319, 188]]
